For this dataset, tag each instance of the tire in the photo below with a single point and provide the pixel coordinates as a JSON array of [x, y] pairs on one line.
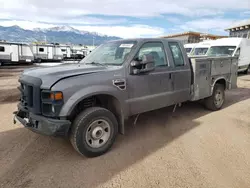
[[38, 60], [246, 71], [84, 134], [213, 103]]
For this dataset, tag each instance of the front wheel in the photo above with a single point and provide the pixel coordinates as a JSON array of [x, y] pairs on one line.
[[216, 101], [94, 131]]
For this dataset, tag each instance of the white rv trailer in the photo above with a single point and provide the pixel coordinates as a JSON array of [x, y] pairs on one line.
[[66, 51], [86, 51], [233, 47], [47, 52], [14, 52], [201, 48], [189, 47], [79, 52]]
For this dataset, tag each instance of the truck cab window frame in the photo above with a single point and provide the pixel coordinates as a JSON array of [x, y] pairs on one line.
[[158, 54], [176, 53], [2, 49]]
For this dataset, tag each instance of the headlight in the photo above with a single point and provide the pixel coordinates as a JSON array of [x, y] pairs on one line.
[[56, 96], [52, 101], [52, 96]]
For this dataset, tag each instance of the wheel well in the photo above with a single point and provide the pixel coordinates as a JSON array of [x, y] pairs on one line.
[[222, 82], [105, 101]]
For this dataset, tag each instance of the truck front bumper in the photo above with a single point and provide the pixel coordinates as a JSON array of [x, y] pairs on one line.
[[41, 124]]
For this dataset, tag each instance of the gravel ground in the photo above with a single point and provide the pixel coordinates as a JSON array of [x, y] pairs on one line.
[[192, 147]]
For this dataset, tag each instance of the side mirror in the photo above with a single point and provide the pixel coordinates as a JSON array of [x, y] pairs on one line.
[[147, 64], [237, 55]]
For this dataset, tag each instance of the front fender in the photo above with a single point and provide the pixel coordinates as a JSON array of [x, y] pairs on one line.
[[86, 92]]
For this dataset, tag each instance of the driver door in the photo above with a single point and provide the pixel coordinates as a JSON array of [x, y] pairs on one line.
[[152, 90]]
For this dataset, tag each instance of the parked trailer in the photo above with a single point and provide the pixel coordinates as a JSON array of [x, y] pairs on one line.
[[86, 51], [47, 52], [189, 47], [79, 52], [236, 47], [13, 52], [201, 49], [66, 51]]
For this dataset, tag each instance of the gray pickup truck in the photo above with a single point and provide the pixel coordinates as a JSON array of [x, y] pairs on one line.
[[90, 101]]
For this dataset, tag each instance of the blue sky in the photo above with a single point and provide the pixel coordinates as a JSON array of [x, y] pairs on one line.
[[126, 18]]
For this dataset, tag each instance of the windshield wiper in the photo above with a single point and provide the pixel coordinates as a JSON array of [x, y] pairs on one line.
[[113, 64], [95, 63]]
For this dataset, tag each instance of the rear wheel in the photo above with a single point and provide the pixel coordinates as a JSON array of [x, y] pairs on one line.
[[216, 101], [94, 131]]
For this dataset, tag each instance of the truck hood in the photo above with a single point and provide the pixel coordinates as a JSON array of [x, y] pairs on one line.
[[50, 75]]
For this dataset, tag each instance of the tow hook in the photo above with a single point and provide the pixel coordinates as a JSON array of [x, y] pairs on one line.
[[14, 119]]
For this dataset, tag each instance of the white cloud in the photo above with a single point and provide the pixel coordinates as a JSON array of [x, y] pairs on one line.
[[125, 31], [173, 19], [77, 13], [26, 24], [37, 10], [207, 25], [247, 13], [120, 31]]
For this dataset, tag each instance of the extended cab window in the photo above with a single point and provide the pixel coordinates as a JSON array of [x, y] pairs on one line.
[[176, 53], [2, 49], [156, 49]]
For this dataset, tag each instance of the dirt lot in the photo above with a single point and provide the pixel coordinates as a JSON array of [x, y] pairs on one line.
[[192, 147]]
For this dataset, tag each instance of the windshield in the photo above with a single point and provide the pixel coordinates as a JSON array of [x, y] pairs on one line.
[[112, 53], [221, 50], [188, 50], [199, 51]]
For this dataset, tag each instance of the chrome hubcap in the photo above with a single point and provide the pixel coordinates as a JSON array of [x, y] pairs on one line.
[[218, 98], [98, 133]]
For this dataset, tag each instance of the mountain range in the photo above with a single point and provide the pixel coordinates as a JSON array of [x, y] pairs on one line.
[[60, 34]]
